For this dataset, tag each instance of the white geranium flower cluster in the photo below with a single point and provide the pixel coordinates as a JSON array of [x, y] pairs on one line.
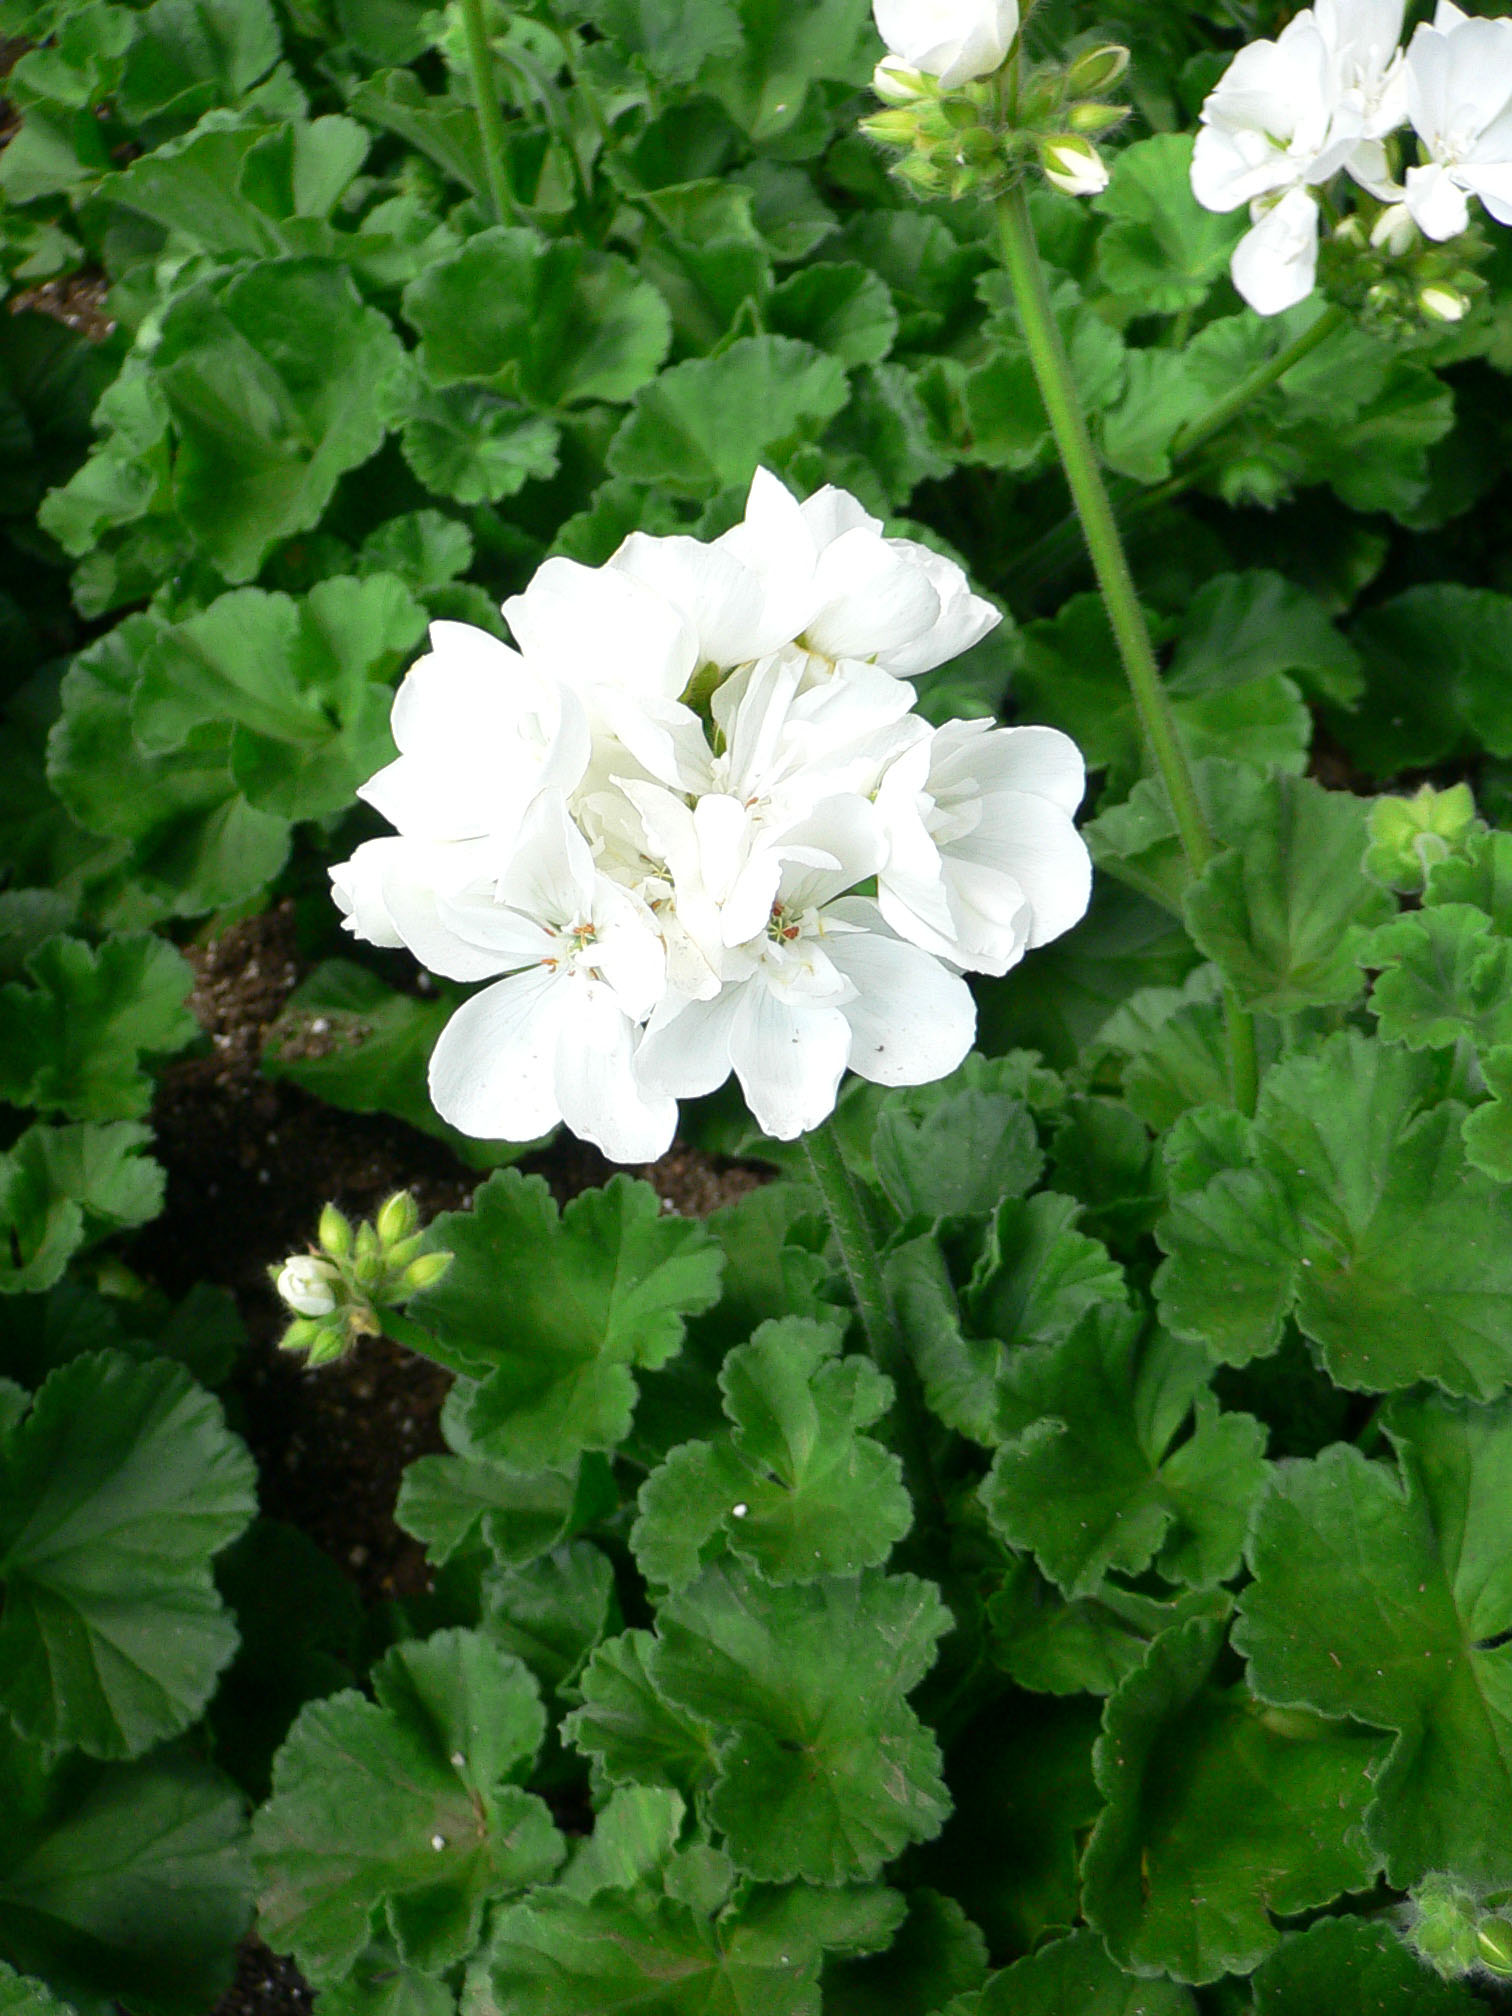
[[692, 825], [1289, 116]]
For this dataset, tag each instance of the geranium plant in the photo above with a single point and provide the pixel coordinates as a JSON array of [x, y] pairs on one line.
[[914, 604]]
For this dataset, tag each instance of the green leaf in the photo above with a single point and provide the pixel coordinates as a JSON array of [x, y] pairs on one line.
[[303, 683], [938, 1952], [1387, 1600], [380, 1983], [23, 1996], [552, 1611], [359, 1045], [192, 54], [1099, 1480], [469, 444], [1435, 669], [825, 1773], [1487, 1132], [1162, 249], [765, 80], [1073, 1973], [1035, 1274], [1219, 1813], [65, 1187], [400, 1814], [72, 1042], [632, 1732], [455, 1504], [1051, 1646], [118, 1487], [1443, 976], [1282, 914], [705, 425], [550, 1313], [674, 38], [195, 841], [795, 1489], [1349, 1203], [958, 1372], [957, 1155], [1246, 626], [1355, 1967], [623, 1951], [548, 323], [634, 1836], [273, 379], [840, 307], [124, 1882]]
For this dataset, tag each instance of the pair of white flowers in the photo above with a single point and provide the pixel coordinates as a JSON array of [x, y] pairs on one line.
[[692, 825], [1289, 116]]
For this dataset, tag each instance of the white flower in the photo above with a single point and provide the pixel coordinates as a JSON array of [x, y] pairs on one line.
[[480, 731], [953, 40], [890, 602], [822, 986], [1073, 165], [556, 1039], [308, 1285], [1459, 98], [1286, 117], [984, 861]]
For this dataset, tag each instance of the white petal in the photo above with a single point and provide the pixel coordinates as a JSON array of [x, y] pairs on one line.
[[911, 1021], [1438, 205], [731, 608], [1040, 761], [789, 1060], [964, 618], [601, 1098], [1275, 263], [357, 886], [491, 1073], [869, 598], [1037, 845], [686, 1046], [595, 626]]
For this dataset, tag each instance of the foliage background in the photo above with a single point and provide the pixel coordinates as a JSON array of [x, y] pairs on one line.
[[338, 397]]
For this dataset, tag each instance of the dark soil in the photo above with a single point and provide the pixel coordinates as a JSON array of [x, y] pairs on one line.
[[250, 1162]]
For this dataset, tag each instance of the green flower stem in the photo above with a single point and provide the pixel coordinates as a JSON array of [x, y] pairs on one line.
[[401, 1329], [1197, 433], [490, 118], [874, 1305], [1052, 371]]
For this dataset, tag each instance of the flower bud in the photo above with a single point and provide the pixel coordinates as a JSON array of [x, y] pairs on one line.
[[1394, 231], [308, 1284], [894, 84], [425, 1272], [398, 1218], [1444, 1927], [328, 1345], [1089, 118], [1443, 304], [1073, 165], [1409, 836], [335, 1233], [1096, 71], [897, 128], [1493, 1936]]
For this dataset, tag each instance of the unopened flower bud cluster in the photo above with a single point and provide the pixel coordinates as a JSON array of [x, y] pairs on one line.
[[336, 1291], [693, 825], [969, 122], [1295, 124]]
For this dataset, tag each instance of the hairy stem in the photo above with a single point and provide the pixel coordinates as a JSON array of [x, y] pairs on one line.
[[490, 118], [847, 1213], [1068, 424]]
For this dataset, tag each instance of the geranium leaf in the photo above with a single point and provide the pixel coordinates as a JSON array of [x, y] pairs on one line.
[[842, 308], [1442, 974], [1035, 1274], [795, 1489], [1099, 1481], [272, 378], [549, 323], [551, 1313], [400, 1814], [1387, 1599], [1162, 247], [1465, 635], [1348, 1203], [937, 1952], [1283, 913], [1218, 1814], [806, 1685], [123, 1882], [955, 1155], [456, 1503], [118, 1487], [63, 1187], [1050, 1645], [20, 1995], [631, 1731], [467, 443], [1354, 1967], [72, 1042], [704, 426], [1073, 1973], [381, 1984], [624, 1950], [303, 683], [552, 1611]]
